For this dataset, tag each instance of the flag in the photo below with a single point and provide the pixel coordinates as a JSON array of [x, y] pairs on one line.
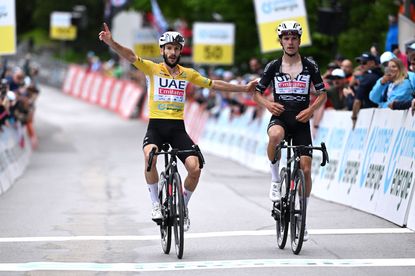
[[158, 18]]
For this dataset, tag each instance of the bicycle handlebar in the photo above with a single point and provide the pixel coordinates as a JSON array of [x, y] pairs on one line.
[[322, 148], [175, 152]]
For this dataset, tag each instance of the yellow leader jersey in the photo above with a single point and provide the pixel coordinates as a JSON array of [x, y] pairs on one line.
[[167, 95]]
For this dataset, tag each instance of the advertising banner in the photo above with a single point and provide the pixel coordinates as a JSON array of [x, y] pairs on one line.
[[7, 27], [270, 13], [146, 43], [381, 138], [334, 132], [213, 43], [396, 186], [61, 27]]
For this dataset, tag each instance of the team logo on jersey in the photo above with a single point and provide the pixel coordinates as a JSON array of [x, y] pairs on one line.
[[285, 85], [169, 90]]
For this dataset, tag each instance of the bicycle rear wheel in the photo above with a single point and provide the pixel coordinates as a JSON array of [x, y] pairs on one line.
[[280, 211], [165, 225], [298, 212], [178, 213]]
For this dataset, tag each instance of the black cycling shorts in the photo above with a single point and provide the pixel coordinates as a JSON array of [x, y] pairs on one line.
[[160, 131], [299, 132]]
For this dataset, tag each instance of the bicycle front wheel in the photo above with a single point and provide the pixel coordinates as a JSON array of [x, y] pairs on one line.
[[280, 211], [178, 213], [297, 212], [165, 225]]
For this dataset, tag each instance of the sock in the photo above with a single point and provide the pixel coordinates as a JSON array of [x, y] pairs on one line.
[[153, 189], [186, 195], [275, 174]]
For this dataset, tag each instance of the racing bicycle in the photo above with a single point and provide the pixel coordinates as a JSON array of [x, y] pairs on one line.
[[171, 199], [291, 209]]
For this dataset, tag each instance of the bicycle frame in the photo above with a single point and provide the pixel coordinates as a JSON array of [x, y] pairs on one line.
[[171, 197], [285, 211]]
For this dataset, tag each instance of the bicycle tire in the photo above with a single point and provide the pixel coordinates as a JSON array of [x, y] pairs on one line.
[[165, 225], [281, 213], [178, 215], [297, 212]]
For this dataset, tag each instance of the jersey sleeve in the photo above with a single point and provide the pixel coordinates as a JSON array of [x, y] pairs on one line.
[[145, 66], [200, 80], [266, 78], [316, 76]]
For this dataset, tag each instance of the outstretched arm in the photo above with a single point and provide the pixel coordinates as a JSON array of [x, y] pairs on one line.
[[127, 53], [229, 87]]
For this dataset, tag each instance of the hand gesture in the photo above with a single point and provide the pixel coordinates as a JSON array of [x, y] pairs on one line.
[[275, 108], [105, 35], [305, 115], [348, 91], [251, 85]]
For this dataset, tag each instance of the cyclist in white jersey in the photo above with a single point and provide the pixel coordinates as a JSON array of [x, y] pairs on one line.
[[291, 77], [167, 82]]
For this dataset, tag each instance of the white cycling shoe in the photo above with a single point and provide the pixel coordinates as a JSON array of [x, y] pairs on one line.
[[156, 212], [275, 191]]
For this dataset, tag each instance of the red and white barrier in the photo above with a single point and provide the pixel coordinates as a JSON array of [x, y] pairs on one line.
[[119, 96]]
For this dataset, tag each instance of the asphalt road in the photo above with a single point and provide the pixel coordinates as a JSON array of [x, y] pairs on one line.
[[82, 208]]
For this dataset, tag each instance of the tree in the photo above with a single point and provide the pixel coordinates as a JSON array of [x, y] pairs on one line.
[[366, 23]]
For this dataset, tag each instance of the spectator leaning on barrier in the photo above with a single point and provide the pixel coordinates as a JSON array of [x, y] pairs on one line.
[[166, 96], [395, 85], [371, 73]]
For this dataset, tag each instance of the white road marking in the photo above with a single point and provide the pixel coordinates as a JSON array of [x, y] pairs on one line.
[[208, 235], [203, 265]]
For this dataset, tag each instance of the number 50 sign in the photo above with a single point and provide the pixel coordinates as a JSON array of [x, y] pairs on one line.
[[213, 43]]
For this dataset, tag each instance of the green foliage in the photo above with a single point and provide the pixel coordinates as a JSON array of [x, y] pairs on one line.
[[366, 23]]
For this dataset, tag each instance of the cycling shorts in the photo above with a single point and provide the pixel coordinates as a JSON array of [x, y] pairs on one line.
[[299, 132], [160, 131]]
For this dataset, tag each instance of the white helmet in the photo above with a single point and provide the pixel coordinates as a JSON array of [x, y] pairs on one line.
[[171, 37], [289, 27]]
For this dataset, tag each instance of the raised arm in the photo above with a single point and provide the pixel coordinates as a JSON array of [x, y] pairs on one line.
[[127, 53]]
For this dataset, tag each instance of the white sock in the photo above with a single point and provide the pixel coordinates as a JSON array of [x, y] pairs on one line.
[[153, 189], [187, 195], [275, 174]]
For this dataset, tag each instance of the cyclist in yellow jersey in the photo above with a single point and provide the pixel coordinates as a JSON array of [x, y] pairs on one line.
[[167, 82]]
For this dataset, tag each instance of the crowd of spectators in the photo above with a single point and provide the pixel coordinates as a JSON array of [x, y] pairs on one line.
[[373, 79], [370, 80], [18, 92]]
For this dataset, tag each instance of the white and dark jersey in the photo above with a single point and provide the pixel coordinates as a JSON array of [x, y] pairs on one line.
[[294, 94]]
